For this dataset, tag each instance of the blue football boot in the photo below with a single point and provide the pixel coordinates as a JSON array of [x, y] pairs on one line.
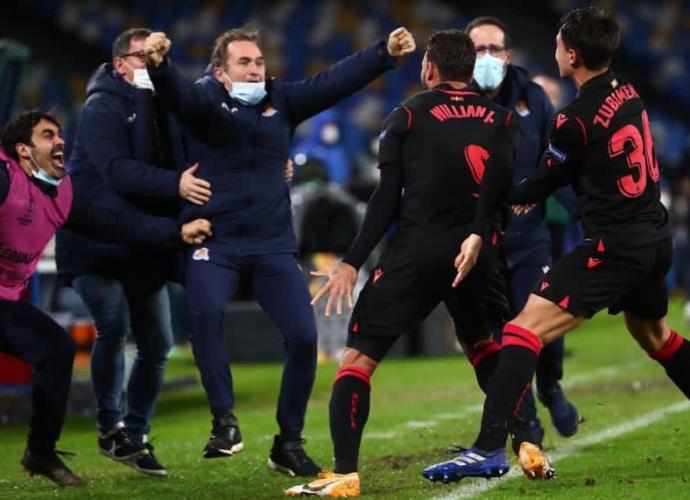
[[471, 462]]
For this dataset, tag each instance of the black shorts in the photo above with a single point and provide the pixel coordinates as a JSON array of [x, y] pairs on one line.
[[413, 276], [594, 277]]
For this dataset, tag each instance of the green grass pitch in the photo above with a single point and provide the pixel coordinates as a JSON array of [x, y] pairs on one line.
[[419, 407]]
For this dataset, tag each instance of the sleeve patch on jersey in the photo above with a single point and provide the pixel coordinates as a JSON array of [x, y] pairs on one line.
[[558, 154]]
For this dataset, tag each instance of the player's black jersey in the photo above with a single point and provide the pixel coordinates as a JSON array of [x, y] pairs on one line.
[[602, 144], [455, 148]]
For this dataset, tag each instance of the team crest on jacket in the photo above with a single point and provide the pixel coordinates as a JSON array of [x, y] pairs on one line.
[[269, 111], [200, 254]]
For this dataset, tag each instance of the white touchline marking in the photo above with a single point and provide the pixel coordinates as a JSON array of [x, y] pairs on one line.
[[568, 383], [586, 377], [571, 448]]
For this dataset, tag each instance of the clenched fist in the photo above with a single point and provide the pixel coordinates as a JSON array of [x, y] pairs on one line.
[[401, 42], [196, 231], [156, 47]]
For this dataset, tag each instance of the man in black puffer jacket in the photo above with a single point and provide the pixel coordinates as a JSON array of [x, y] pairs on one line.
[[127, 156]]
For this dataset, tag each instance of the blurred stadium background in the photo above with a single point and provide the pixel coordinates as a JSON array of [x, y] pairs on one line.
[[48, 49]]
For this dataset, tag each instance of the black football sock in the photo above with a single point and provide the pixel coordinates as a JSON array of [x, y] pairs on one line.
[[484, 359], [349, 411], [674, 356], [520, 350]]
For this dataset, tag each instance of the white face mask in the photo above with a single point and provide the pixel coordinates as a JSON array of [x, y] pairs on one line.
[[142, 80], [248, 93], [489, 72], [41, 174]]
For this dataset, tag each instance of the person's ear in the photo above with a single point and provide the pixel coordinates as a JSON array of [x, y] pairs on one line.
[[22, 150], [120, 66]]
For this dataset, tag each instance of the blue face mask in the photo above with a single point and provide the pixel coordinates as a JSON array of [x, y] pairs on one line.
[[42, 175], [248, 93], [489, 72]]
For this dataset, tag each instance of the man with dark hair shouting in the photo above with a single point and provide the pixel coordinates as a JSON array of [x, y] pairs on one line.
[[241, 125], [601, 144], [36, 199]]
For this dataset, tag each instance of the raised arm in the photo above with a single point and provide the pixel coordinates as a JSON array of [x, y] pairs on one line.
[[306, 98], [104, 135], [187, 101]]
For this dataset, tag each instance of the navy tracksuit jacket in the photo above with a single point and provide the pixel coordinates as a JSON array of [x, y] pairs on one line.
[[122, 161], [242, 152]]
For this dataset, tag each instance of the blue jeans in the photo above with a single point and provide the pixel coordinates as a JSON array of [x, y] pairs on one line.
[[137, 304]]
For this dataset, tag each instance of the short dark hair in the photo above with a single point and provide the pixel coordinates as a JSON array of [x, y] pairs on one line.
[[493, 21], [220, 47], [452, 51], [593, 33], [21, 126], [121, 43]]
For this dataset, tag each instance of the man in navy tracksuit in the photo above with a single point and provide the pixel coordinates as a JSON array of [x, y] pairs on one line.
[[527, 243], [242, 126], [127, 155]]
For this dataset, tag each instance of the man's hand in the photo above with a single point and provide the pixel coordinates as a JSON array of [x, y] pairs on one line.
[[193, 189], [289, 171], [400, 42], [467, 258], [522, 209], [156, 47], [196, 231], [341, 283]]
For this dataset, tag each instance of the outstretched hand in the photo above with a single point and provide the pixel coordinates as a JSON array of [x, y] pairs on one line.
[[341, 283], [401, 42], [467, 258]]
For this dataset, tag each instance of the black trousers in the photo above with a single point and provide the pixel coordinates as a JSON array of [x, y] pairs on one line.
[[32, 336]]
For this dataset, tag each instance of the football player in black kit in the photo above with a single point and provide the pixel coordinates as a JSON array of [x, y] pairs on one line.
[[601, 144], [445, 157]]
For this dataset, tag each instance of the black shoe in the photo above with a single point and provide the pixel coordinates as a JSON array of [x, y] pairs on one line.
[[148, 464], [290, 458], [48, 464], [119, 446], [526, 432], [225, 439]]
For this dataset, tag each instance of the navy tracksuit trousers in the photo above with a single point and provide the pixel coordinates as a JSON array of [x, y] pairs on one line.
[[281, 290]]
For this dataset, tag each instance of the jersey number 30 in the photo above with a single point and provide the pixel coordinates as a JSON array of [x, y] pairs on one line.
[[640, 156]]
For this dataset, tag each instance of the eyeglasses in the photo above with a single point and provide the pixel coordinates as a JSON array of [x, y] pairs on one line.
[[494, 50], [140, 54]]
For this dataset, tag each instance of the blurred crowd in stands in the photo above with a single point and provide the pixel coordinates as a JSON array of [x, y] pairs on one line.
[[300, 37]]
